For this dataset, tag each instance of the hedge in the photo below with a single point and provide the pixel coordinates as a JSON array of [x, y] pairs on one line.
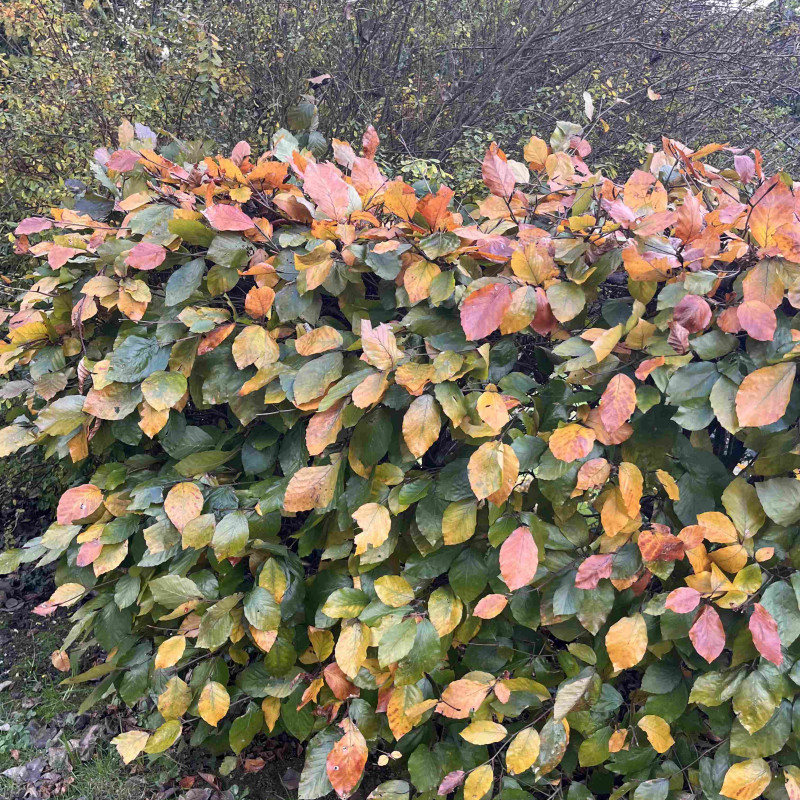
[[503, 488]]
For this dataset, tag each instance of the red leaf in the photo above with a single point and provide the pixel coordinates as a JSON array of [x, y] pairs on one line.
[[593, 570], [146, 255], [618, 402], [683, 600], [451, 782], [228, 218], [497, 175], [707, 634], [483, 310], [692, 313], [324, 184], [765, 634], [758, 319], [33, 225], [519, 559]]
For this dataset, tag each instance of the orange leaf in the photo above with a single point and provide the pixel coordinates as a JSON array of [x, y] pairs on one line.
[[593, 570], [490, 606], [763, 395], [346, 761], [258, 302], [78, 503], [617, 402], [758, 319], [571, 442]]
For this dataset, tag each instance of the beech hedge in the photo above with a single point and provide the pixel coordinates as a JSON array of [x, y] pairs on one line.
[[502, 490]]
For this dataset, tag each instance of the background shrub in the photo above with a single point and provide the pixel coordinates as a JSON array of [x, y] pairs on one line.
[[501, 486]]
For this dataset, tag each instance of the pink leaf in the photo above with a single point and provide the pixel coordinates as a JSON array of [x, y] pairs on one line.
[[324, 184], [123, 160], [519, 559], [228, 218], [683, 600], [146, 255], [765, 634], [33, 225], [707, 634], [593, 570], [497, 175]]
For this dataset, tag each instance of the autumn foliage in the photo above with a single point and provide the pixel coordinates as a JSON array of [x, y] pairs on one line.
[[502, 486]]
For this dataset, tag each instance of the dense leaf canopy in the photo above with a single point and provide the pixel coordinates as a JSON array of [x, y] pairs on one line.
[[504, 486]]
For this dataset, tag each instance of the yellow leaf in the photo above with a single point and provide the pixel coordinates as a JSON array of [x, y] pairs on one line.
[[493, 471], [183, 503], [130, 744], [174, 701], [273, 579], [421, 425], [351, 649], [626, 641], [393, 590], [170, 652], [479, 782], [271, 706], [444, 610], [400, 701], [375, 523], [523, 751], [534, 264], [214, 703], [746, 780], [254, 346], [669, 484], [483, 731], [311, 487], [658, 733], [459, 520], [631, 484], [379, 346], [492, 410], [319, 340], [164, 737]]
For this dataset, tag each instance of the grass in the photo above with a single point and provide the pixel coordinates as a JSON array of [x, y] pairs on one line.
[[35, 694]]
